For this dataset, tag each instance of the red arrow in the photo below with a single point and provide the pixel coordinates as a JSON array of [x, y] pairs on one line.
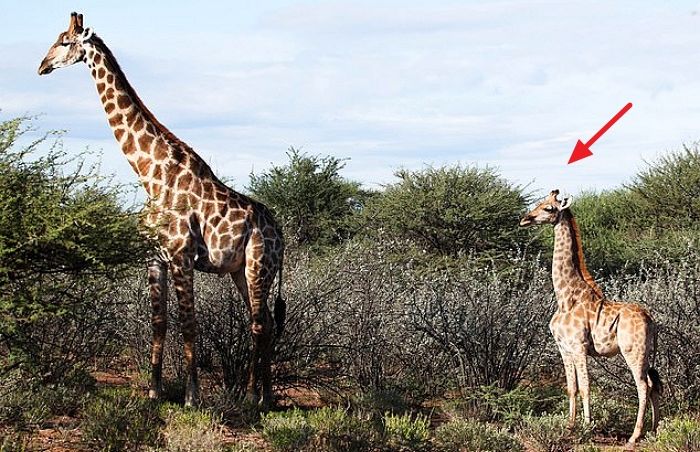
[[581, 151]]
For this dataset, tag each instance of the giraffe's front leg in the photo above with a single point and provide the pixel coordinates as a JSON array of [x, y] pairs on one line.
[[571, 385], [583, 384], [183, 275], [158, 283]]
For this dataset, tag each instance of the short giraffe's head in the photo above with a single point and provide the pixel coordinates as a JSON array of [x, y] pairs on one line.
[[548, 211], [69, 48]]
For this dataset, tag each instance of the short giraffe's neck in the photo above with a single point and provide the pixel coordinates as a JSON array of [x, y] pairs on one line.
[[146, 143], [569, 273]]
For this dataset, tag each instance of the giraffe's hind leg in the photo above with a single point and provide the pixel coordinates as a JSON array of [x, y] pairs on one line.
[[262, 332], [637, 362], [254, 283], [158, 283], [261, 372]]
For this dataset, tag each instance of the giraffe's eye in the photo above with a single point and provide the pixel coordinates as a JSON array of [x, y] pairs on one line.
[[549, 209]]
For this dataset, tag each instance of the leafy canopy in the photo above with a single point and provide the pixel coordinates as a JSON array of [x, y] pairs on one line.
[[656, 215], [451, 211], [310, 198], [61, 232]]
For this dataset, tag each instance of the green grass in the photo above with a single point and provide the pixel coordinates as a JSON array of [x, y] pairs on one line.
[[286, 431], [678, 434], [190, 430], [471, 435], [406, 431], [116, 420], [551, 433]]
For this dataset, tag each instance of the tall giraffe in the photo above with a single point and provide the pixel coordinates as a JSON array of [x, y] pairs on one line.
[[199, 222], [586, 323]]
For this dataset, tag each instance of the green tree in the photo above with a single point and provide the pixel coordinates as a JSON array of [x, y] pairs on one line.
[[656, 215], [667, 193], [310, 198], [64, 242], [451, 211]]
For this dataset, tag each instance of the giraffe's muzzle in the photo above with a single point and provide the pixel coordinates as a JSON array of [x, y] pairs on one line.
[[45, 68], [526, 221]]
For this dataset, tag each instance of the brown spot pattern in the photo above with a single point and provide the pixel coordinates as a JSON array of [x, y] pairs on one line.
[[587, 323], [236, 235], [123, 101]]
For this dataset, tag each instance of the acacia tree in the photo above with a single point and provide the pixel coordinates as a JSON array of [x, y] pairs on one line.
[[451, 211], [310, 198], [656, 215], [64, 240], [668, 191]]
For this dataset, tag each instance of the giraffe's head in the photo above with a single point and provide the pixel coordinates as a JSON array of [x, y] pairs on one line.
[[69, 48], [548, 211]]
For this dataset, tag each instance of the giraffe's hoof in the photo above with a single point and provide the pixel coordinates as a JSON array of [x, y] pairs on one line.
[[153, 394], [192, 395], [191, 402]]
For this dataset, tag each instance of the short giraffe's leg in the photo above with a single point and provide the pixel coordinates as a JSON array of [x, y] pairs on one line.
[[639, 367], [571, 385], [583, 384], [158, 282], [183, 275]]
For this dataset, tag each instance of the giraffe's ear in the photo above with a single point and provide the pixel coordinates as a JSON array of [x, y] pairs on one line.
[[566, 202], [87, 34]]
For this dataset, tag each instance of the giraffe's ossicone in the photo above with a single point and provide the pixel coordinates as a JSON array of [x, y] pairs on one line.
[[199, 222], [586, 323]]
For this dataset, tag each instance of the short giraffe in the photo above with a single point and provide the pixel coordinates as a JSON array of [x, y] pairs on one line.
[[199, 222], [586, 323]]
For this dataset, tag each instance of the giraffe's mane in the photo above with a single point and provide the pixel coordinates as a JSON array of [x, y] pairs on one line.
[[578, 259], [171, 137]]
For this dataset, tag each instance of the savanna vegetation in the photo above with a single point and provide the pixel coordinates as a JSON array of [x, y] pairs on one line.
[[417, 314]]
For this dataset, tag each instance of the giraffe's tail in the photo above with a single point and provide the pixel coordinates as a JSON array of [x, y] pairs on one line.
[[280, 304], [654, 380], [653, 377]]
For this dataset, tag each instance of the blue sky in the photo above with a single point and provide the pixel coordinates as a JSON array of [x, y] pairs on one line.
[[387, 84]]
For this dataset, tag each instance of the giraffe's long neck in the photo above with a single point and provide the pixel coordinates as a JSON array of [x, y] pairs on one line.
[[569, 273], [146, 143]]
